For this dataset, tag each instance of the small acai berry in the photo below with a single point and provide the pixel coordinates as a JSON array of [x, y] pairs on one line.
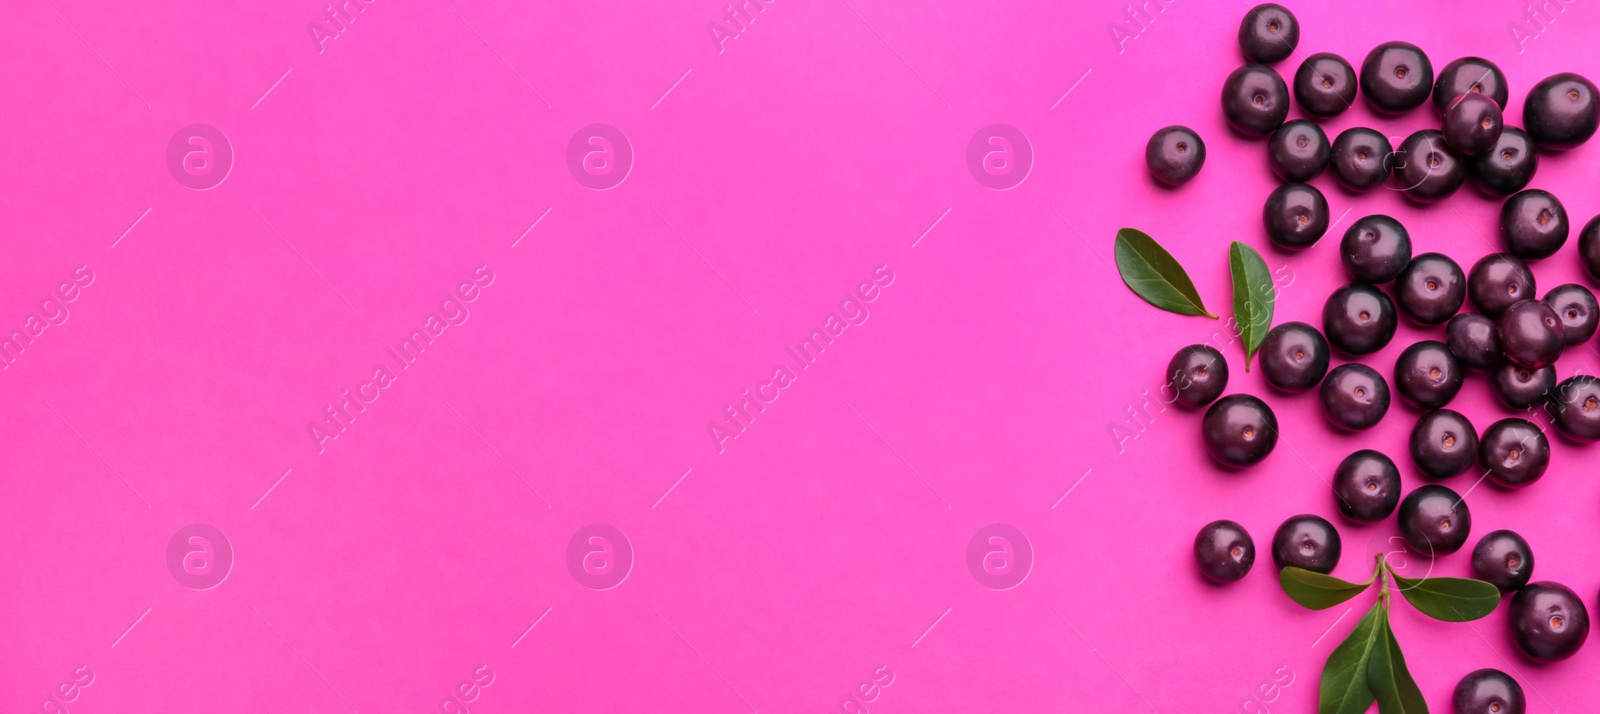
[[1239, 430], [1472, 124], [1504, 559], [1533, 223], [1367, 486], [1576, 308], [1396, 77], [1471, 339], [1174, 155], [1361, 158], [1298, 150], [1295, 215], [1354, 397], [1294, 357], [1469, 75], [1427, 375], [1589, 248], [1513, 452], [1306, 541], [1197, 375], [1358, 319], [1268, 33], [1426, 169], [1224, 551], [1443, 443], [1561, 111], [1548, 621], [1255, 100], [1508, 167], [1431, 289], [1530, 334], [1575, 408], [1489, 691], [1434, 520], [1498, 281], [1325, 85], [1375, 249], [1518, 387]]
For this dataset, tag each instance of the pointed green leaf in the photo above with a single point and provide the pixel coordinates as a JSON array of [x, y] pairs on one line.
[[1344, 688], [1153, 274], [1253, 297], [1388, 676], [1449, 599], [1316, 591]]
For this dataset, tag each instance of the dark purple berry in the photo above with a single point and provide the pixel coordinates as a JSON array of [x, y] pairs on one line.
[[1589, 248], [1396, 77], [1367, 486], [1533, 224], [1294, 357], [1354, 397], [1471, 339], [1508, 167], [1296, 215], [1497, 281], [1298, 150], [1548, 621], [1427, 375], [1224, 551], [1575, 307], [1443, 444], [1255, 100], [1325, 85], [1530, 334], [1358, 319], [1469, 75], [1522, 387], [1575, 408], [1239, 430], [1504, 559], [1174, 155], [1375, 249], [1197, 375], [1306, 541], [1431, 289], [1489, 691], [1268, 33], [1513, 452], [1426, 169], [1561, 111], [1434, 520], [1472, 124], [1361, 158]]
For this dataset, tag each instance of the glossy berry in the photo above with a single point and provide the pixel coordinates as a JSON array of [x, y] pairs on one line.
[[1427, 375], [1431, 289], [1174, 155], [1575, 408], [1561, 111], [1396, 77], [1498, 281], [1367, 486], [1306, 541], [1548, 621], [1298, 150], [1489, 691], [1522, 387], [1358, 319], [1471, 339], [1472, 124], [1469, 75], [1375, 249], [1443, 443], [1325, 85], [1255, 100], [1224, 551], [1239, 430], [1513, 452], [1508, 167], [1268, 34], [1354, 397], [1434, 520], [1294, 357], [1504, 559], [1197, 374], [1533, 223], [1426, 169], [1589, 248], [1361, 159], [1575, 307], [1296, 215], [1530, 334]]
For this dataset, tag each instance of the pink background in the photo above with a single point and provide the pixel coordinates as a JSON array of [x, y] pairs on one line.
[[825, 543]]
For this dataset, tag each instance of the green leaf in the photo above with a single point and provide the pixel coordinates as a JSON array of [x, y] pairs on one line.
[[1344, 688], [1253, 296], [1153, 274], [1316, 591], [1387, 676], [1449, 599]]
